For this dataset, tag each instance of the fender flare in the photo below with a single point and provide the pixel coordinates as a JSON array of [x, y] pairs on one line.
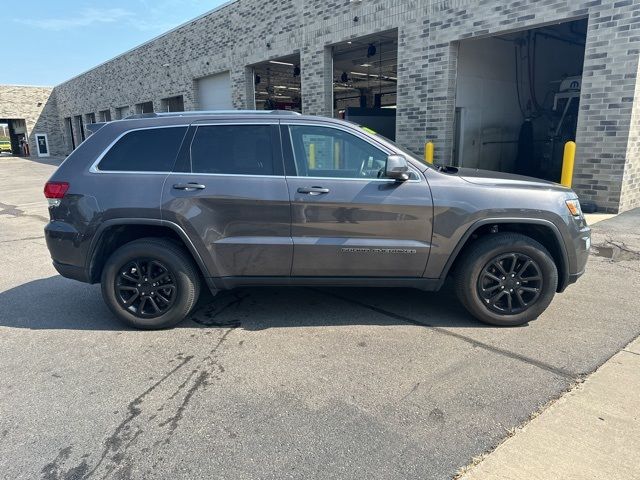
[[564, 258], [97, 239]]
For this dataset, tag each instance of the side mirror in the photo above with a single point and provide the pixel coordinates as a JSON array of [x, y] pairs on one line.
[[397, 168]]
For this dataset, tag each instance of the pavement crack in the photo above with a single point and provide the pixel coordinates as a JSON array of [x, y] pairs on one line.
[[183, 384], [130, 429], [174, 420], [476, 343], [39, 237], [114, 442], [415, 387], [210, 364], [51, 471]]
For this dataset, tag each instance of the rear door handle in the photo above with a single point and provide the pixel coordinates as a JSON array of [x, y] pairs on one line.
[[313, 190], [189, 186]]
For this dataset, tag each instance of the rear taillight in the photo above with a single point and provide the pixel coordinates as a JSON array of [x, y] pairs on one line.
[[54, 191]]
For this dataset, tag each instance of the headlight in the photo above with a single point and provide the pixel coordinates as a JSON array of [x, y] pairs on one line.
[[574, 207]]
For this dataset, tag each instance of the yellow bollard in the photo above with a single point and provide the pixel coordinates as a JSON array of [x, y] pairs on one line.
[[336, 156], [312, 156], [429, 150], [568, 163]]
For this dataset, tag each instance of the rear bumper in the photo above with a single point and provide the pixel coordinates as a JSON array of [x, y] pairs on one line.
[[71, 271], [66, 249]]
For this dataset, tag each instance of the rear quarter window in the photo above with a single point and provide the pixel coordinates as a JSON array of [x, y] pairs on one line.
[[148, 150]]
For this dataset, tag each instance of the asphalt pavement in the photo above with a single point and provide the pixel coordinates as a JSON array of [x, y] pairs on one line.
[[278, 382]]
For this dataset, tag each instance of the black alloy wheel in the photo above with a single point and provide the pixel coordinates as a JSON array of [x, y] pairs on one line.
[[506, 279], [146, 288], [510, 283]]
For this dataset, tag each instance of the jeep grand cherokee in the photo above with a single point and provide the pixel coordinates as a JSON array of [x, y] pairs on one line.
[[156, 207]]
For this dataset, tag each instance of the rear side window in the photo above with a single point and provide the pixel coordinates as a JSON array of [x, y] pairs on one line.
[[233, 149], [149, 150]]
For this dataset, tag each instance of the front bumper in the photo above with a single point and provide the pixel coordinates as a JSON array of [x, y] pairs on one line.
[[582, 246]]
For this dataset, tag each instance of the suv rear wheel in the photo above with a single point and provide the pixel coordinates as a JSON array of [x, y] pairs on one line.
[[506, 279], [150, 284]]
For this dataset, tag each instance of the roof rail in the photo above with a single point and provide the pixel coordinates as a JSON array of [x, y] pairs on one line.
[[192, 113]]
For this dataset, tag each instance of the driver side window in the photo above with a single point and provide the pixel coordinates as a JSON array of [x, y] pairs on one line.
[[328, 152]]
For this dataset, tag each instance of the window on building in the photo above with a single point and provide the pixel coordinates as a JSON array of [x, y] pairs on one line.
[[173, 104], [122, 112], [104, 115], [79, 129], [145, 107], [328, 152], [68, 121], [233, 149], [90, 118], [149, 150]]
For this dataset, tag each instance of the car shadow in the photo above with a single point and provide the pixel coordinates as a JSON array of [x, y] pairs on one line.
[[59, 303]]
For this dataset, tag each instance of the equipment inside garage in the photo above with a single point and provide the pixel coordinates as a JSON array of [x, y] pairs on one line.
[[277, 84], [365, 81], [517, 99]]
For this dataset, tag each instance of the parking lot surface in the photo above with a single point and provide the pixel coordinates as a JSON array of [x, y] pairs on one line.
[[279, 382]]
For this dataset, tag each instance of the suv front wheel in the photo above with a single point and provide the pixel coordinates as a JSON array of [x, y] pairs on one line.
[[506, 279], [150, 284]]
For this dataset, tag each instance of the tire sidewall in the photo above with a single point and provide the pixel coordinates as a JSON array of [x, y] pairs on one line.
[[173, 262], [549, 282]]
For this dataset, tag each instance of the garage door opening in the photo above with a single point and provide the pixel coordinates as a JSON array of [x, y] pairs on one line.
[[277, 84], [14, 137], [517, 99], [365, 81]]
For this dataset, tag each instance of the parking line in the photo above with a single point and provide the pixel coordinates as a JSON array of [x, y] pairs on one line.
[[500, 351]]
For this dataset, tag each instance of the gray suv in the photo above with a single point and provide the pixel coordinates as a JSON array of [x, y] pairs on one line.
[[156, 207]]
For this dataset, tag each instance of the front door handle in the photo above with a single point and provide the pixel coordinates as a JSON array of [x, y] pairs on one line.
[[189, 186], [313, 190]]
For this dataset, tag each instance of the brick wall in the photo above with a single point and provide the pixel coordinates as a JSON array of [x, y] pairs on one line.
[[38, 108], [244, 33], [631, 178]]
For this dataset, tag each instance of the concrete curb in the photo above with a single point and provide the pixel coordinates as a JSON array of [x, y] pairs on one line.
[[591, 432]]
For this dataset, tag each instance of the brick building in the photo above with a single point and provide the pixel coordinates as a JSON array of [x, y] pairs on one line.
[[495, 84], [30, 112]]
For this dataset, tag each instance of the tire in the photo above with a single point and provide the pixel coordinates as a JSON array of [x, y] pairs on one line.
[[174, 293], [522, 298]]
